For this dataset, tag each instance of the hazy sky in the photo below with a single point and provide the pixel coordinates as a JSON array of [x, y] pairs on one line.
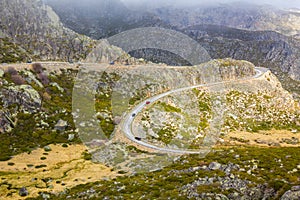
[[156, 3]]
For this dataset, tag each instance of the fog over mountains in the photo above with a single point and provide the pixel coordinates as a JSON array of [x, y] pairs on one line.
[[205, 21], [187, 3], [265, 35]]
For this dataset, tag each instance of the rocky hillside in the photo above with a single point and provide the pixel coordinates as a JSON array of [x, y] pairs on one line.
[[263, 48], [36, 100], [30, 30], [100, 19], [250, 105], [36, 110]]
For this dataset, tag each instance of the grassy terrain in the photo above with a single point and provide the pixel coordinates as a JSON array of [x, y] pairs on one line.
[[167, 184], [56, 105], [27, 133], [245, 111], [61, 167]]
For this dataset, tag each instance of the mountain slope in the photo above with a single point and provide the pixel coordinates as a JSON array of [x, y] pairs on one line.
[[268, 49], [263, 48], [37, 30]]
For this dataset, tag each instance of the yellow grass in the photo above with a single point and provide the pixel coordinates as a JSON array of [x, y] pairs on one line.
[[272, 136], [65, 165]]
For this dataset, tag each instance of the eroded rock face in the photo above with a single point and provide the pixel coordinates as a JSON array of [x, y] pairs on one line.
[[295, 70], [24, 97]]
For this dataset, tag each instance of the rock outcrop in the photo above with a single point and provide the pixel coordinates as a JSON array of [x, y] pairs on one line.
[[24, 97]]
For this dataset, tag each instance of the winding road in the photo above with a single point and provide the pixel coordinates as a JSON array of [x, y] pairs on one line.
[[126, 124]]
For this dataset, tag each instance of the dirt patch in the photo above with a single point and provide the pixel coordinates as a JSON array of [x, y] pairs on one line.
[[53, 171], [278, 138]]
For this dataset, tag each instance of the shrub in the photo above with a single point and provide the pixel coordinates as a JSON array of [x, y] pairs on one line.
[[276, 184], [65, 145], [37, 68], [87, 156], [17, 79], [46, 96], [43, 78], [12, 71], [40, 166]]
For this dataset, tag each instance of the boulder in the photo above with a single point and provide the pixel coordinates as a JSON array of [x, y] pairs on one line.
[[117, 120], [296, 188], [71, 137], [214, 166], [47, 148], [30, 78], [61, 125]]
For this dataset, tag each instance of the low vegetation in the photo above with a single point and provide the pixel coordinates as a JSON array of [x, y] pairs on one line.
[[11, 52], [247, 111], [37, 129], [170, 181]]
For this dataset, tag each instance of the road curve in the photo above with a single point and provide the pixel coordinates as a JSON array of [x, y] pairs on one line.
[[126, 124]]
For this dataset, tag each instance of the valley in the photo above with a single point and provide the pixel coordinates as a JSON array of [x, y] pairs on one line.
[[123, 99]]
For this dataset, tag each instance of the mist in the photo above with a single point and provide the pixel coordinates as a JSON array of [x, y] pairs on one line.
[[282, 4]]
